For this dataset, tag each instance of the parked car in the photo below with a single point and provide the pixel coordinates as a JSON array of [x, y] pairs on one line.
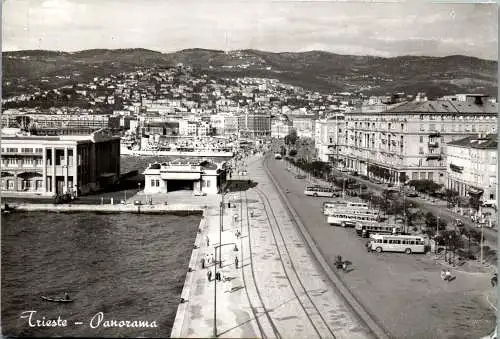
[[300, 176], [364, 177], [412, 194], [354, 173], [199, 194], [459, 223]]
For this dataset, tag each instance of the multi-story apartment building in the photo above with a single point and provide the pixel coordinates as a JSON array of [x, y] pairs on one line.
[[304, 125], [472, 164], [329, 136], [55, 121], [280, 127], [255, 124], [49, 165], [409, 140], [224, 124]]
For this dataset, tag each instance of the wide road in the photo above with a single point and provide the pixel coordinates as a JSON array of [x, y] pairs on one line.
[[404, 292], [438, 208]]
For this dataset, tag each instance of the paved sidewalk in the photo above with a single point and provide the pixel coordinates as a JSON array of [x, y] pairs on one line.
[[271, 293]]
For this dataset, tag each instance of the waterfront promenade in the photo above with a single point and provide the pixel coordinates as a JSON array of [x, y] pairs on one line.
[[278, 289]]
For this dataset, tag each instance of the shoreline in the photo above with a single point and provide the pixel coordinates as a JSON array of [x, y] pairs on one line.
[[118, 208]]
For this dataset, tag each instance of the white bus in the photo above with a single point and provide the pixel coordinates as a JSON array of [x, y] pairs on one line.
[[321, 191], [329, 206], [347, 218], [397, 243], [365, 229]]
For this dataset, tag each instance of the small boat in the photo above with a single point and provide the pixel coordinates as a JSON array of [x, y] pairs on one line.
[[57, 300]]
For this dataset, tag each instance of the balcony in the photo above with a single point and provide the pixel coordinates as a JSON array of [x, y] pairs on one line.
[[434, 157], [433, 144], [456, 168], [434, 134]]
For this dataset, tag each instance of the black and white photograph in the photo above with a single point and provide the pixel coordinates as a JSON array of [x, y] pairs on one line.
[[249, 169]]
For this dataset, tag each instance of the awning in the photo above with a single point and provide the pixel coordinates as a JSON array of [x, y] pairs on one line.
[[475, 191]]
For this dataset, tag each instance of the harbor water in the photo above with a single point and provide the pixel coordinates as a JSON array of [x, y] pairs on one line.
[[116, 267]]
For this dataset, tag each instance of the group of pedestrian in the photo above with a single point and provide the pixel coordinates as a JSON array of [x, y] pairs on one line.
[[218, 276], [207, 260]]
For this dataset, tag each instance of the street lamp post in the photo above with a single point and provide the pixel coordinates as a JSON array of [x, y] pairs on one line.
[[215, 280]]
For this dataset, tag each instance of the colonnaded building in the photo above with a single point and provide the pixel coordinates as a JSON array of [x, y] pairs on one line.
[[50, 165], [409, 140]]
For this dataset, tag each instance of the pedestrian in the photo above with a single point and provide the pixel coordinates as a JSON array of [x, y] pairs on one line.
[[251, 214], [212, 259], [217, 276], [207, 259], [209, 275], [202, 262], [448, 275], [236, 262], [208, 241]]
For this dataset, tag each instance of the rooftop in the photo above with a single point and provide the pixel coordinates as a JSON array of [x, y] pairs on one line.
[[445, 106], [488, 141]]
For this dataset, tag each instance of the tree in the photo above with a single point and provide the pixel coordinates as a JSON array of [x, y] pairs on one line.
[[292, 136], [403, 177]]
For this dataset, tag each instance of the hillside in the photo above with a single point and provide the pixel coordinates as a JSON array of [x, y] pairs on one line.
[[316, 70]]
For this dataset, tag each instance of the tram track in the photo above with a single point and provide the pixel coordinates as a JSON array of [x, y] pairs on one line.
[[262, 305], [362, 313], [298, 288]]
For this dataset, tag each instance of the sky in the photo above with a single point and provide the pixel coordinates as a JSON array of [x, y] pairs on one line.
[[415, 27]]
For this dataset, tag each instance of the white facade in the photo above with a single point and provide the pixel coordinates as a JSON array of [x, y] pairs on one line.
[[198, 176], [328, 137], [472, 163], [280, 128], [411, 137]]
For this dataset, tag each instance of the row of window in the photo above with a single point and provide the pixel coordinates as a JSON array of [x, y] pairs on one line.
[[399, 241], [9, 184]]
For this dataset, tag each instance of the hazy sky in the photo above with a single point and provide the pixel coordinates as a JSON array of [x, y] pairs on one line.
[[416, 27]]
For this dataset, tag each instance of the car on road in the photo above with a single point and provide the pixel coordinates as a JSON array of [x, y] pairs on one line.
[[459, 223], [300, 176], [199, 194]]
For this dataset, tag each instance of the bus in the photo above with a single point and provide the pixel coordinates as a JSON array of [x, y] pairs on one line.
[[366, 229], [348, 218], [341, 204], [397, 243], [321, 191]]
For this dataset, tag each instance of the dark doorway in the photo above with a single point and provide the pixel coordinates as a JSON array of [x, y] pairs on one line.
[[180, 185]]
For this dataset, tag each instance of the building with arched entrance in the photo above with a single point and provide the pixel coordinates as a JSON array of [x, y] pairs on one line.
[[190, 174]]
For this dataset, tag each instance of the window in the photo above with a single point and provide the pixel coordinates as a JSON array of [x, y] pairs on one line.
[[157, 182], [422, 128], [430, 176], [421, 138], [420, 150], [152, 182], [208, 183], [402, 127]]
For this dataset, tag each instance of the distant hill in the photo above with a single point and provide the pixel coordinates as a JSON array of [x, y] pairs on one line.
[[315, 70]]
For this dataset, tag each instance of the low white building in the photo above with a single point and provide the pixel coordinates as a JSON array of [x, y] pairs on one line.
[[185, 174], [472, 165]]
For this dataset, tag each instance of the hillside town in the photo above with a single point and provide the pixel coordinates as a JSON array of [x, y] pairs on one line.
[[450, 140]]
